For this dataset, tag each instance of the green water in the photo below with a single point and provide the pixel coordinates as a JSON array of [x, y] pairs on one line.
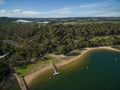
[[97, 70]]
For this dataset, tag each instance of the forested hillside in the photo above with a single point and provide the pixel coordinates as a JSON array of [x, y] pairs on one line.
[[35, 40]]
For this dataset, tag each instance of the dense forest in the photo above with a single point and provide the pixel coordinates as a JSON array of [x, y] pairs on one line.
[[34, 40]]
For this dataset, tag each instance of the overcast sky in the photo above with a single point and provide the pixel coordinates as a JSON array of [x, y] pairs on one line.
[[59, 8]]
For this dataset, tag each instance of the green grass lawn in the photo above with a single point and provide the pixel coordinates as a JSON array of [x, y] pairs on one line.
[[24, 70]]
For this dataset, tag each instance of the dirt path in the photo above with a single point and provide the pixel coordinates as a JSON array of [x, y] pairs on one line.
[[21, 82]]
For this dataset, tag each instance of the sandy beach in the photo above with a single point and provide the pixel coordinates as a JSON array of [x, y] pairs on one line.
[[30, 77]]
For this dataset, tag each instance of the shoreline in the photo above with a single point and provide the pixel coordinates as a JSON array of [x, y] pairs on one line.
[[30, 77]]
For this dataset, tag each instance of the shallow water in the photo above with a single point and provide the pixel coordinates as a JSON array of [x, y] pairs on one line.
[[98, 70]]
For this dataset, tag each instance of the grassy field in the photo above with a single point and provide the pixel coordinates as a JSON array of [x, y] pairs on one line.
[[24, 70]]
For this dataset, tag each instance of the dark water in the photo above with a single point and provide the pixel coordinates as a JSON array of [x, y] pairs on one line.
[[98, 70]]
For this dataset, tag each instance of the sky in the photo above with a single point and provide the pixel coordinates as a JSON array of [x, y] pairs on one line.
[[59, 8]]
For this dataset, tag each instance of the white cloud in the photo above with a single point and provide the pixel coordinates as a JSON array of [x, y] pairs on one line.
[[2, 11], [27, 13], [93, 9], [18, 13], [111, 9], [30, 12], [98, 4], [16, 10]]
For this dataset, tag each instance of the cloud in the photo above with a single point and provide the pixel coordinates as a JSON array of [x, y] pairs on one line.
[[105, 3], [111, 9], [30, 12], [16, 11], [2, 11], [24, 12], [27, 13], [19, 11], [104, 8]]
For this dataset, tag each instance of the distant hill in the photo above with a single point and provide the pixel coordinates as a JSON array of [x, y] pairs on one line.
[[67, 19], [6, 19]]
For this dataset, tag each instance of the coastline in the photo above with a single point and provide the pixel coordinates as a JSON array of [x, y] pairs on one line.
[[30, 77]]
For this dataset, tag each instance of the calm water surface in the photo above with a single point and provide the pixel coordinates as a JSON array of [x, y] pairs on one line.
[[98, 70]]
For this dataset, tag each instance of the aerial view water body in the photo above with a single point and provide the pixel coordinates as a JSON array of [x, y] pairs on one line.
[[98, 70]]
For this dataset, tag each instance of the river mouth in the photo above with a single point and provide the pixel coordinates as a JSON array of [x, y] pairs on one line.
[[98, 70]]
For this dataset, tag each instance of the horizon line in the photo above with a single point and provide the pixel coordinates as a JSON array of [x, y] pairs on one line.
[[67, 17]]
